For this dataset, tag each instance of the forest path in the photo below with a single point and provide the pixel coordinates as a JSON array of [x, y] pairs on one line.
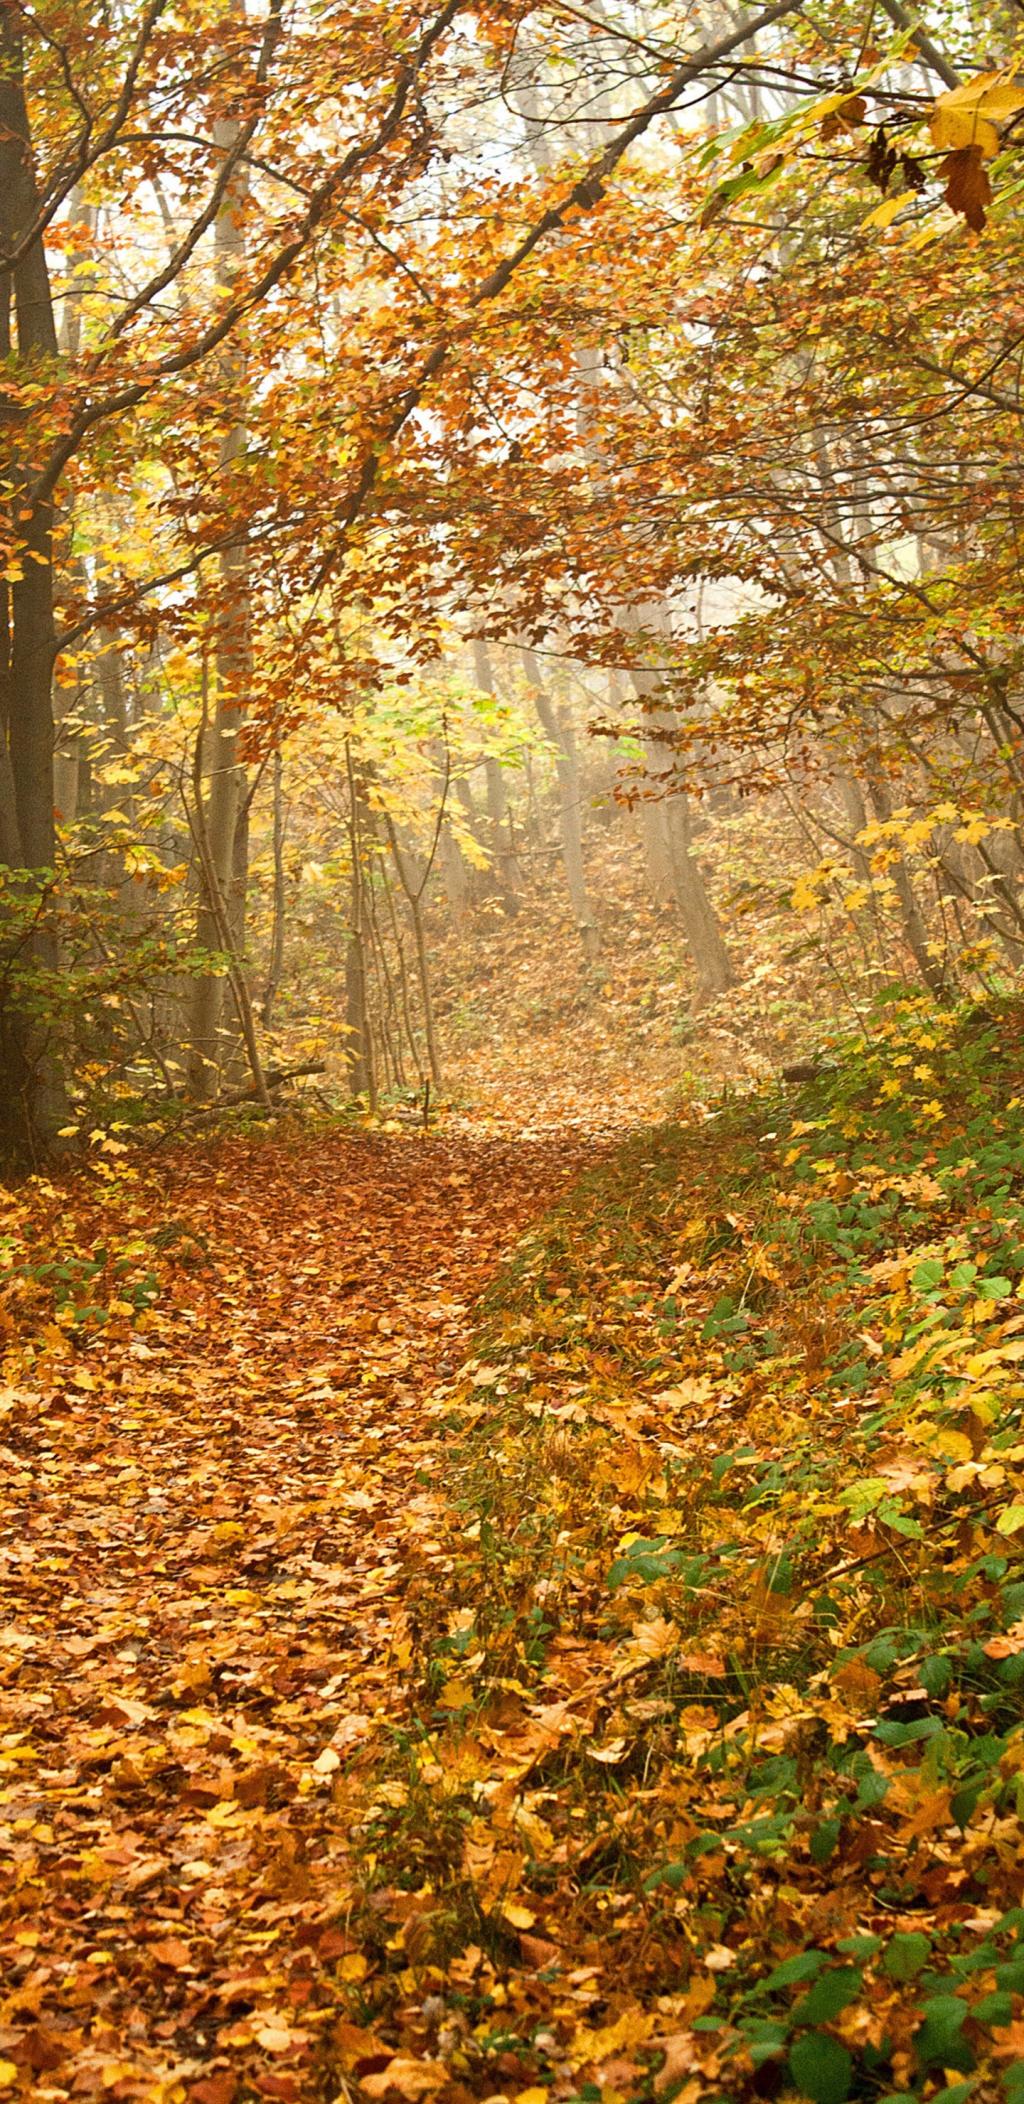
[[208, 1529]]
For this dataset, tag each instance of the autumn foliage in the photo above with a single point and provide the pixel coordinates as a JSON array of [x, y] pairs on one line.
[[511, 907]]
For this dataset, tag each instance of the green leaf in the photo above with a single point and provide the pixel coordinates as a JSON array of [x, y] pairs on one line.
[[859, 1946], [995, 1288], [962, 1276], [928, 1273], [821, 2068], [994, 2009], [833, 1992], [824, 1841], [897, 1734], [938, 2042], [906, 1955], [1010, 1518], [671, 1874], [901, 1524], [936, 1674], [649, 1560], [802, 1966], [964, 1801], [1013, 2084], [765, 2038]]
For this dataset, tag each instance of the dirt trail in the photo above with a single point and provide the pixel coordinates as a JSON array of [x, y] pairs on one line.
[[206, 1535]]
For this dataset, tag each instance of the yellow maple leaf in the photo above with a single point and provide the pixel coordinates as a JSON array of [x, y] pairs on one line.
[[996, 95], [952, 128], [458, 1694]]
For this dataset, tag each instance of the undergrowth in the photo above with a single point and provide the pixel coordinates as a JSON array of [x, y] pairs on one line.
[[721, 1684]]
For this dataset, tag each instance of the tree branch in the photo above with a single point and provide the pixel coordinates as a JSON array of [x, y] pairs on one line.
[[928, 50]]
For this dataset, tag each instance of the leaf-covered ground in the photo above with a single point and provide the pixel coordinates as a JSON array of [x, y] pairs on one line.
[[219, 1474], [718, 1788], [607, 1688]]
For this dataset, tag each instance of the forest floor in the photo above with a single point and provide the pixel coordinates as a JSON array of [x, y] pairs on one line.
[[538, 1036], [524, 1618], [221, 1471]]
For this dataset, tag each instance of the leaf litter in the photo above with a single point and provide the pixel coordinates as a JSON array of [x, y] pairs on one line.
[[219, 1476], [453, 1662]]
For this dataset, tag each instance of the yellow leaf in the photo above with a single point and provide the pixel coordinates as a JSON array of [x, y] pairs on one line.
[[953, 1446], [633, 2028], [805, 896], [457, 1695], [884, 214], [9, 2075], [224, 1813], [951, 129], [959, 1478], [518, 1917], [995, 94], [411, 2078]]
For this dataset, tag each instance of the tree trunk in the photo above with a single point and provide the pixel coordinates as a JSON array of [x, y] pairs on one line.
[[275, 968], [212, 1038], [570, 796], [213, 892], [697, 914], [362, 1073], [455, 877], [32, 636], [503, 856], [414, 896], [914, 928], [31, 1094], [848, 790]]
